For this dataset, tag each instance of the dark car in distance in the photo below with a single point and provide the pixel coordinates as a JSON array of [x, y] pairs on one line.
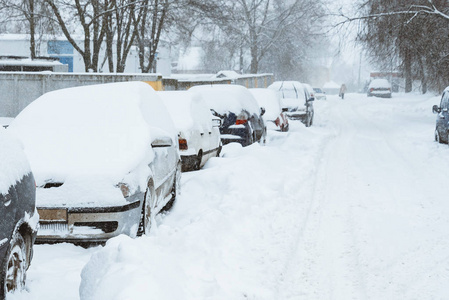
[[241, 116], [18, 216], [442, 121]]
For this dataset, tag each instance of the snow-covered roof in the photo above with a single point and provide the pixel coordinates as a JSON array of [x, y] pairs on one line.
[[227, 74], [225, 98], [13, 162], [187, 110], [99, 129], [268, 99]]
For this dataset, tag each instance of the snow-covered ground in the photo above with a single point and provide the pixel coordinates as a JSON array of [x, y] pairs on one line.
[[354, 207]]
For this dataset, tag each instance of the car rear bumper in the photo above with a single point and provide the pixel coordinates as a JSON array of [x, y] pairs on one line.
[[89, 224], [240, 135]]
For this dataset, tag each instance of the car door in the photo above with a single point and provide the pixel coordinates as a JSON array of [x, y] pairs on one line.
[[8, 207], [164, 168], [442, 122]]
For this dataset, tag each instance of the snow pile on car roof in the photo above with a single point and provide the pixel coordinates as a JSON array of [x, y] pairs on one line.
[[224, 98], [13, 162], [268, 99], [99, 129], [187, 110]]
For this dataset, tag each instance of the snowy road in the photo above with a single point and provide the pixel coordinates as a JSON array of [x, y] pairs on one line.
[[354, 207]]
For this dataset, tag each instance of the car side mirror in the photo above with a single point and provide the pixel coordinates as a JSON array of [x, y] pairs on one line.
[[161, 142], [436, 109], [284, 109], [311, 99], [262, 111]]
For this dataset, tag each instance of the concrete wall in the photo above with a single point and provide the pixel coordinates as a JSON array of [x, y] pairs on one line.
[[18, 89]]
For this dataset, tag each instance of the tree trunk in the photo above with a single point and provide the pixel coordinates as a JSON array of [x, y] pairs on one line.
[[408, 71]]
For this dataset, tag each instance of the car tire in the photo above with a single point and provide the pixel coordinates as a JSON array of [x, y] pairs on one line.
[[437, 137], [16, 264], [198, 160]]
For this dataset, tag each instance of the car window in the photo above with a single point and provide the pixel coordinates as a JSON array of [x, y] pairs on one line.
[[445, 101]]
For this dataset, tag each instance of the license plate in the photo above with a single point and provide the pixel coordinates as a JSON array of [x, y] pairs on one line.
[[52, 214]]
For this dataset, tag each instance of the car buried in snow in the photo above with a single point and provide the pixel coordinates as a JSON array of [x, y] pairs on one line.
[[18, 215], [105, 158], [296, 101], [274, 117], [379, 88], [241, 116], [198, 133]]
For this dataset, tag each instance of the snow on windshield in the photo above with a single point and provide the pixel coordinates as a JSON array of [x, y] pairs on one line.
[[227, 98], [13, 162], [99, 129]]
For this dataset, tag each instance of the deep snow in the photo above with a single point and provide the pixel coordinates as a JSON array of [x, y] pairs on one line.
[[353, 207]]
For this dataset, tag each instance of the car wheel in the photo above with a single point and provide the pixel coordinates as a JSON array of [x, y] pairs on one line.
[[174, 191], [14, 270], [146, 215], [198, 160], [437, 137]]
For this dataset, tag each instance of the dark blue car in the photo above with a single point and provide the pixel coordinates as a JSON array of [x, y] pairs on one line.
[[241, 116], [18, 216], [442, 121]]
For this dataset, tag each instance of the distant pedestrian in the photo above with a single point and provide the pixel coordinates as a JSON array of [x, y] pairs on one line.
[[342, 91]]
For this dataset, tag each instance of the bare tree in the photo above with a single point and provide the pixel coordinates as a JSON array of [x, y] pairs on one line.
[[89, 17]]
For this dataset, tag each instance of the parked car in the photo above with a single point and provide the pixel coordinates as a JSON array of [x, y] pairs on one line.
[[198, 136], [18, 215], [105, 158], [379, 88], [319, 94], [310, 90], [442, 121], [296, 100], [241, 116], [270, 100]]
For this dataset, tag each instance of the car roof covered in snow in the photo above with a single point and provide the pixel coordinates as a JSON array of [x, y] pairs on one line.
[[188, 110], [224, 98], [268, 99], [379, 83], [97, 129]]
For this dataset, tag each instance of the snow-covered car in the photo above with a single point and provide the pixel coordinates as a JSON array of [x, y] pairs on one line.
[[241, 116], [310, 90], [18, 215], [295, 100], [105, 159], [379, 88], [319, 94], [271, 102], [198, 136], [442, 125]]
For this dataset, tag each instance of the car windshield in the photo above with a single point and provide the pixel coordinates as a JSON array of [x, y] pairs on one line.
[[317, 90], [289, 93]]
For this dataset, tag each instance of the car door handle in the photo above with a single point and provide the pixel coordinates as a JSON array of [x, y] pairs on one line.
[[210, 132], [202, 133]]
